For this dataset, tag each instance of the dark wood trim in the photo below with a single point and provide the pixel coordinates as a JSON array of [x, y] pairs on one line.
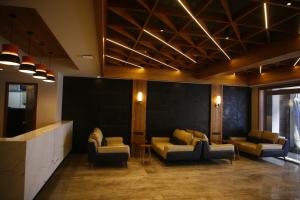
[[6, 103]]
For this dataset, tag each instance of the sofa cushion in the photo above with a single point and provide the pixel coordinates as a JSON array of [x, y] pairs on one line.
[[184, 136], [270, 146], [281, 140], [253, 139], [178, 148], [97, 136], [255, 133], [159, 148], [269, 137], [114, 149], [249, 147], [175, 140]]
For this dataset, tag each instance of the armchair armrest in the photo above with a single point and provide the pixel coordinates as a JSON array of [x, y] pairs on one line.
[[178, 148], [238, 138], [114, 149], [114, 139], [160, 139]]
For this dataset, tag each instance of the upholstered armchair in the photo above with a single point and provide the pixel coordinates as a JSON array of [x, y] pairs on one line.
[[109, 149]]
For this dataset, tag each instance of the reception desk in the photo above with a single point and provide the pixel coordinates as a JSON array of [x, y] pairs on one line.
[[27, 161]]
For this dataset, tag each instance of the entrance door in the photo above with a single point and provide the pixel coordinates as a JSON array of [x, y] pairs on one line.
[[20, 108], [282, 115]]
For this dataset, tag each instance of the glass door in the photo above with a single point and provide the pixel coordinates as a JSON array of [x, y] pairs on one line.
[[282, 115]]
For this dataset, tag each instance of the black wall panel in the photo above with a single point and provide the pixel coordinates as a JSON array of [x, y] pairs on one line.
[[91, 102], [175, 105], [236, 111]]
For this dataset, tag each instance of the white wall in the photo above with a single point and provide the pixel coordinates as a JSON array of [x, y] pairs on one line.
[[49, 100]]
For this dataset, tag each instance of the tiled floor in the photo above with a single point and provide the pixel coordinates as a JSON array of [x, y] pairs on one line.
[[244, 179]]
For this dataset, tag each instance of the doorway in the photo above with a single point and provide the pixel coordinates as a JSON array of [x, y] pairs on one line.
[[282, 115], [20, 108]]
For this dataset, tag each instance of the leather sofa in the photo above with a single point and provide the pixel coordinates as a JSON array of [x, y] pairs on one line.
[[108, 149], [181, 146], [214, 151], [262, 144]]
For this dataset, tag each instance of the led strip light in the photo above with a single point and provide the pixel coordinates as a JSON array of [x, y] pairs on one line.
[[124, 61], [206, 32], [161, 40], [296, 62], [121, 45], [266, 16]]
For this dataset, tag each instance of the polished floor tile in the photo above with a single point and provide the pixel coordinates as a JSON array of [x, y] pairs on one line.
[[245, 179]]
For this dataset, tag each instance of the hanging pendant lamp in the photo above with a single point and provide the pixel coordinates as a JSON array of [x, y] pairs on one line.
[[10, 53], [50, 77], [40, 72], [27, 65], [28, 62]]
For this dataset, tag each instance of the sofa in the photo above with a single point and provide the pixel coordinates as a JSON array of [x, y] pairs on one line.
[[214, 151], [262, 144], [106, 149], [181, 146]]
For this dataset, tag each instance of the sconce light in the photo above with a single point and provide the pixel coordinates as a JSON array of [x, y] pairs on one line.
[[140, 97], [218, 101]]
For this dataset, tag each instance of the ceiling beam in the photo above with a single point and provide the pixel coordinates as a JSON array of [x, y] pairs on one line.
[[100, 19], [275, 76], [268, 54]]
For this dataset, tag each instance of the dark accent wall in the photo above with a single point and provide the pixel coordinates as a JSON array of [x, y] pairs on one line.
[[236, 111], [103, 103], [177, 105]]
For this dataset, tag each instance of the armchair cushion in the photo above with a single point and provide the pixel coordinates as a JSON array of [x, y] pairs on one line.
[[114, 149], [114, 141]]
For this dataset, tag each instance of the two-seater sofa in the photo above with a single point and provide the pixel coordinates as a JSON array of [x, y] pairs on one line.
[[190, 145], [108, 149], [262, 144], [180, 146]]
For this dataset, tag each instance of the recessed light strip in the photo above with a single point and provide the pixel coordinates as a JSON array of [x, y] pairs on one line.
[[119, 44], [206, 32], [296, 62], [260, 69], [124, 61], [266, 16], [161, 40]]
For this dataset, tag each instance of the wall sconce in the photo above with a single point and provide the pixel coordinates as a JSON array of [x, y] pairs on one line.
[[218, 101], [140, 97]]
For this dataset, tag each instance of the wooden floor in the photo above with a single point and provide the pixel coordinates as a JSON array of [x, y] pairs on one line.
[[244, 179]]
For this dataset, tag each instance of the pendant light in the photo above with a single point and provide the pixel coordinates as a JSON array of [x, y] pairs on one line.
[[10, 53], [28, 62], [40, 69], [40, 72], [50, 75]]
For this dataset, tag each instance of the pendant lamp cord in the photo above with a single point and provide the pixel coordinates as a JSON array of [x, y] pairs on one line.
[[12, 16]]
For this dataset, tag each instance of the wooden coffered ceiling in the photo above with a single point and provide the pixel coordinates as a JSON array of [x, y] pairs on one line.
[[237, 26]]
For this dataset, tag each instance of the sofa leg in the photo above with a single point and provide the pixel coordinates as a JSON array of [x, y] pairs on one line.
[[231, 161], [125, 164]]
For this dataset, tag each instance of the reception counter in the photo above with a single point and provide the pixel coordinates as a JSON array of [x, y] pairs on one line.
[[28, 160]]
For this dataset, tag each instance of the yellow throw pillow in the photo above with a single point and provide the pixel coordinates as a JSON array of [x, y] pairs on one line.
[[184, 136]]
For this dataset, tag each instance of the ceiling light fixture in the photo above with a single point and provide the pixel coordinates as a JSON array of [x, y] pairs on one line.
[[205, 31], [121, 45], [266, 16], [124, 61], [227, 38], [161, 40], [28, 62], [296, 62], [50, 78], [40, 72], [161, 30], [288, 4]]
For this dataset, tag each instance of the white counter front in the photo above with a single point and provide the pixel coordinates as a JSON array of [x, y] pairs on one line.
[[28, 160]]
